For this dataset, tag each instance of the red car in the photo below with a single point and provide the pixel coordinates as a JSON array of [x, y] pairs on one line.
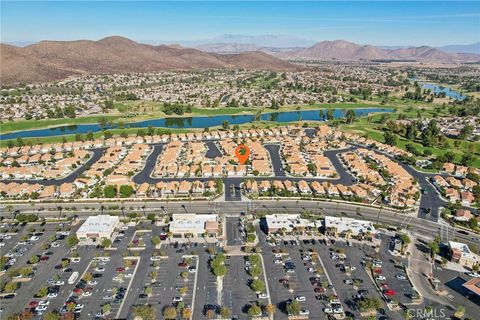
[[77, 291], [183, 264], [120, 269], [283, 281], [44, 258], [319, 289], [33, 304]]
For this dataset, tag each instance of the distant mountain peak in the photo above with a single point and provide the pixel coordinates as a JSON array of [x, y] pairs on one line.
[[53, 60]]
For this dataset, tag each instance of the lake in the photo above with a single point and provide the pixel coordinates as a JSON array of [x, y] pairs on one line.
[[193, 122], [448, 91]]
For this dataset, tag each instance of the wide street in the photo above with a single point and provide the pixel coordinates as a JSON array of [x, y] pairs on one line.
[[235, 208]]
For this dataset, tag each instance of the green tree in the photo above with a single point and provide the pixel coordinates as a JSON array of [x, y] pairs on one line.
[[434, 248], [10, 287], [257, 285], [34, 259], [110, 191], [254, 311], [126, 191], [225, 312], [293, 308], [390, 138], [255, 271], [106, 308], [156, 240], [145, 312], [350, 116], [72, 241], [106, 243], [42, 292], [52, 315], [169, 313]]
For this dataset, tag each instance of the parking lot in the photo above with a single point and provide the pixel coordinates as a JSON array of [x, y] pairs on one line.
[[237, 295], [325, 276]]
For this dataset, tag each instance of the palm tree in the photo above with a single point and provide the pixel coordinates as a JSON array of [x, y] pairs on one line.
[[59, 208]]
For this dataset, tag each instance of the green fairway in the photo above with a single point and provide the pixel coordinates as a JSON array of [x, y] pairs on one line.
[[150, 110]]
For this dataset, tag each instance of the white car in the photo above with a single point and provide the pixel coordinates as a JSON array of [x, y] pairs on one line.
[[278, 255], [34, 238], [300, 298], [177, 299], [278, 261], [304, 312], [327, 310], [401, 277], [59, 283], [99, 269], [473, 274], [87, 293], [52, 295], [380, 278], [262, 296], [92, 282], [338, 310], [79, 306], [44, 303], [128, 275], [107, 297], [76, 259], [55, 244], [2, 244], [41, 308]]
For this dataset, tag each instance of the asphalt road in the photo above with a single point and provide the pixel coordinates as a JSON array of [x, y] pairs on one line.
[[276, 160], [234, 208]]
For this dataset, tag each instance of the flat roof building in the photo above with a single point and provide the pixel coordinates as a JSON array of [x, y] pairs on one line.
[[287, 223], [343, 226], [473, 285], [96, 228], [461, 254], [194, 225]]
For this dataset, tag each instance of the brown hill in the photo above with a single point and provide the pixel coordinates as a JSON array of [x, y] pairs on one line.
[[53, 60], [336, 50], [348, 51]]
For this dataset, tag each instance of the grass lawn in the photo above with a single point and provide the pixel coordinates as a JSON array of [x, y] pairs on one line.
[[45, 123], [71, 137], [373, 130], [152, 110]]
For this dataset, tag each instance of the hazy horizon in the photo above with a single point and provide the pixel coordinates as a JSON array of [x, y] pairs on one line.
[[389, 23]]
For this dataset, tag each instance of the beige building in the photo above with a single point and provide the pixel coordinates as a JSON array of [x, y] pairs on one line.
[[194, 225], [97, 228], [461, 254]]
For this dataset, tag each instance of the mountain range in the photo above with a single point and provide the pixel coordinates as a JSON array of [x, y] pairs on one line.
[[341, 50], [53, 60]]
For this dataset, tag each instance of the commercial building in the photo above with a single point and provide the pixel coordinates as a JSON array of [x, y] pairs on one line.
[[348, 227], [97, 228], [461, 254], [288, 223], [473, 285], [194, 225]]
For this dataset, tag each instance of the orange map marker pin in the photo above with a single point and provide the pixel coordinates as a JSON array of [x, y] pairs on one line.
[[242, 152]]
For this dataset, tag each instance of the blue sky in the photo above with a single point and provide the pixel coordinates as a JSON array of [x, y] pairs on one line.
[[379, 23]]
